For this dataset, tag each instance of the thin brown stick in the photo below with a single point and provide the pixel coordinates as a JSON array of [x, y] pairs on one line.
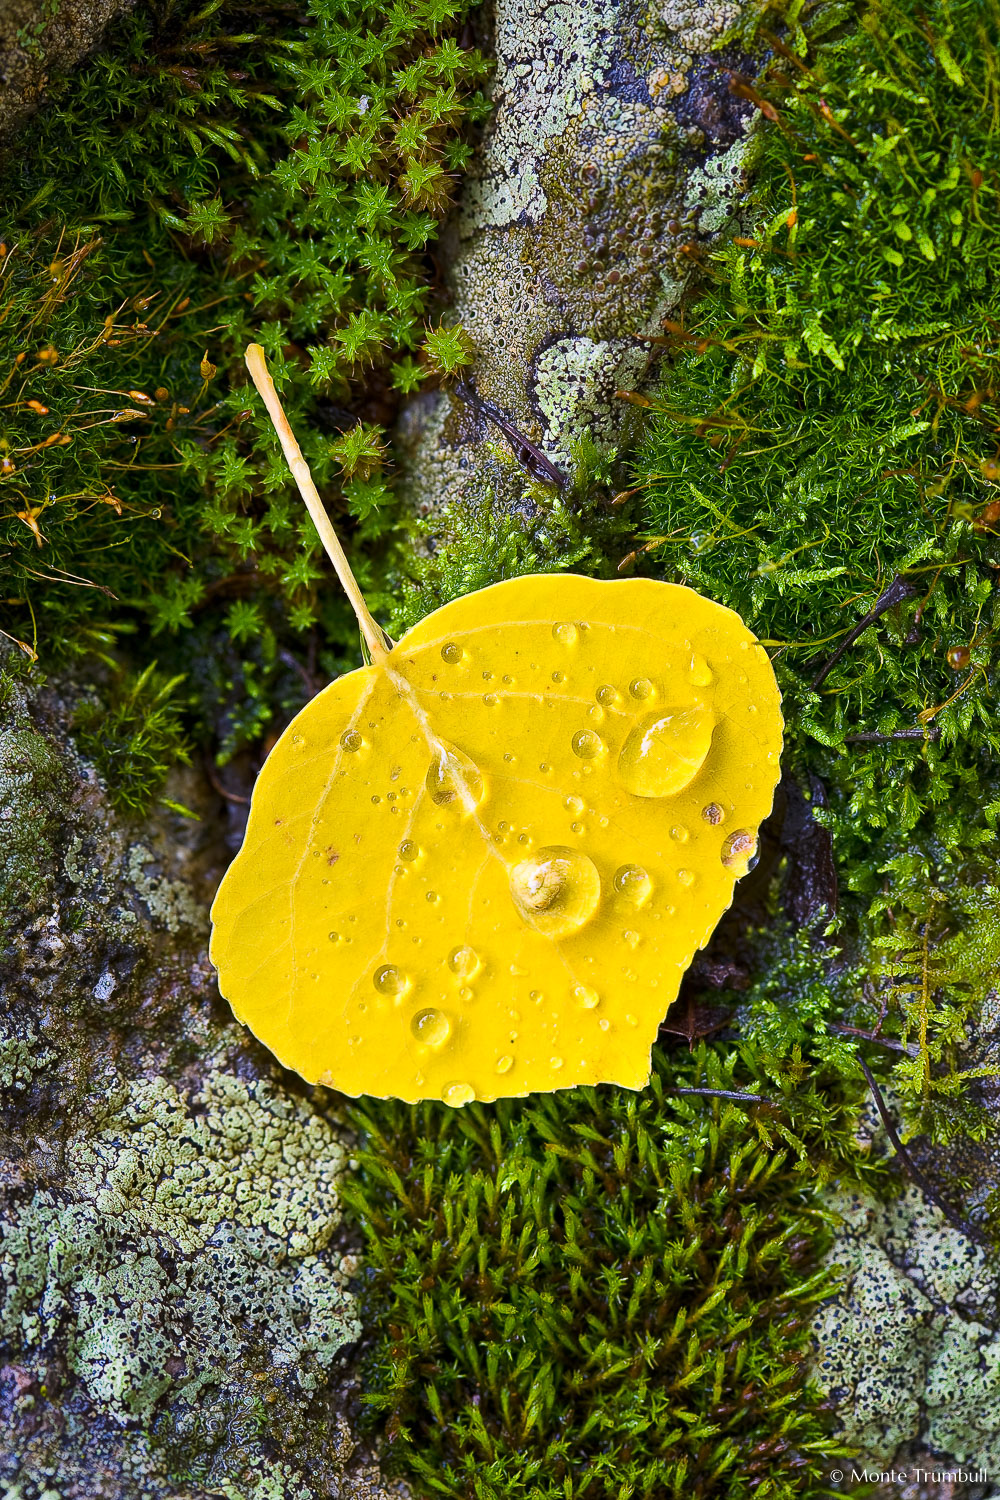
[[379, 644]]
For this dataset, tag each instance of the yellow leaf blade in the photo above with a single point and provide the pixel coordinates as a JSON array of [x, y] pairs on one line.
[[480, 866]]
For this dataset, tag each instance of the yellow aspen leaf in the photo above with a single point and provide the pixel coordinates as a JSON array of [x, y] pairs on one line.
[[479, 866]]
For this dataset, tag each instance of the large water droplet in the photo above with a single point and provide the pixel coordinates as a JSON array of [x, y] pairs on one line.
[[431, 1027], [699, 672], [633, 885], [556, 890], [454, 780], [738, 850], [586, 997], [390, 980], [565, 633], [351, 741], [665, 751], [586, 744], [457, 1094], [464, 962]]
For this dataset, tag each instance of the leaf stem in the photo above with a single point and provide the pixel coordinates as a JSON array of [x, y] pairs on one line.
[[379, 644]]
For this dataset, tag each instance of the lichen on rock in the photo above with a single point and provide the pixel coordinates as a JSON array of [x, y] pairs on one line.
[[612, 146], [173, 1276], [910, 1348]]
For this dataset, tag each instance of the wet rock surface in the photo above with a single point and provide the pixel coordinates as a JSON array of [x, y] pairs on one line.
[[175, 1282]]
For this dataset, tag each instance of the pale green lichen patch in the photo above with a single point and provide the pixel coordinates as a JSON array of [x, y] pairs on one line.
[[185, 1229], [909, 1349]]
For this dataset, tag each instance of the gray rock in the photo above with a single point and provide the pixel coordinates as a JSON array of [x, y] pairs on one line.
[[610, 160], [175, 1299]]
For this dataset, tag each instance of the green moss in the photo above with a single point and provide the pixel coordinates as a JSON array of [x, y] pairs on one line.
[[828, 422], [32, 780], [218, 175], [596, 1291]]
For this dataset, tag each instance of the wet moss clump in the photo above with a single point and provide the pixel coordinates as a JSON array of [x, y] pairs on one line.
[[595, 1292], [824, 456]]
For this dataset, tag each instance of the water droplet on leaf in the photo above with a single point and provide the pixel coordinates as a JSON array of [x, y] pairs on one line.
[[431, 1027], [664, 752], [556, 890]]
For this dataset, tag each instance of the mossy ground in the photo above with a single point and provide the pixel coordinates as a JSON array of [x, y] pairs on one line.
[[828, 422]]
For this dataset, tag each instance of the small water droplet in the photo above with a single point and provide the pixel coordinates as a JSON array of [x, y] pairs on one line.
[[565, 633], [334, 937], [351, 741], [451, 653], [632, 938], [433, 897], [464, 962], [630, 1019], [633, 884], [586, 744], [491, 700], [457, 1094], [555, 1062], [608, 696], [604, 1025], [453, 780], [376, 801], [576, 827], [558, 676], [504, 1064], [545, 768], [713, 813], [556, 890], [508, 680], [408, 850], [738, 850], [596, 714], [431, 1027], [536, 995], [297, 739], [679, 833], [588, 998], [699, 672], [641, 688], [686, 877], [390, 980], [574, 805], [664, 752]]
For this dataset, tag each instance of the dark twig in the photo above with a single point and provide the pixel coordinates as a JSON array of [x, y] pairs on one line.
[[870, 1036], [921, 1181], [724, 1094], [915, 732], [898, 590], [527, 453]]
